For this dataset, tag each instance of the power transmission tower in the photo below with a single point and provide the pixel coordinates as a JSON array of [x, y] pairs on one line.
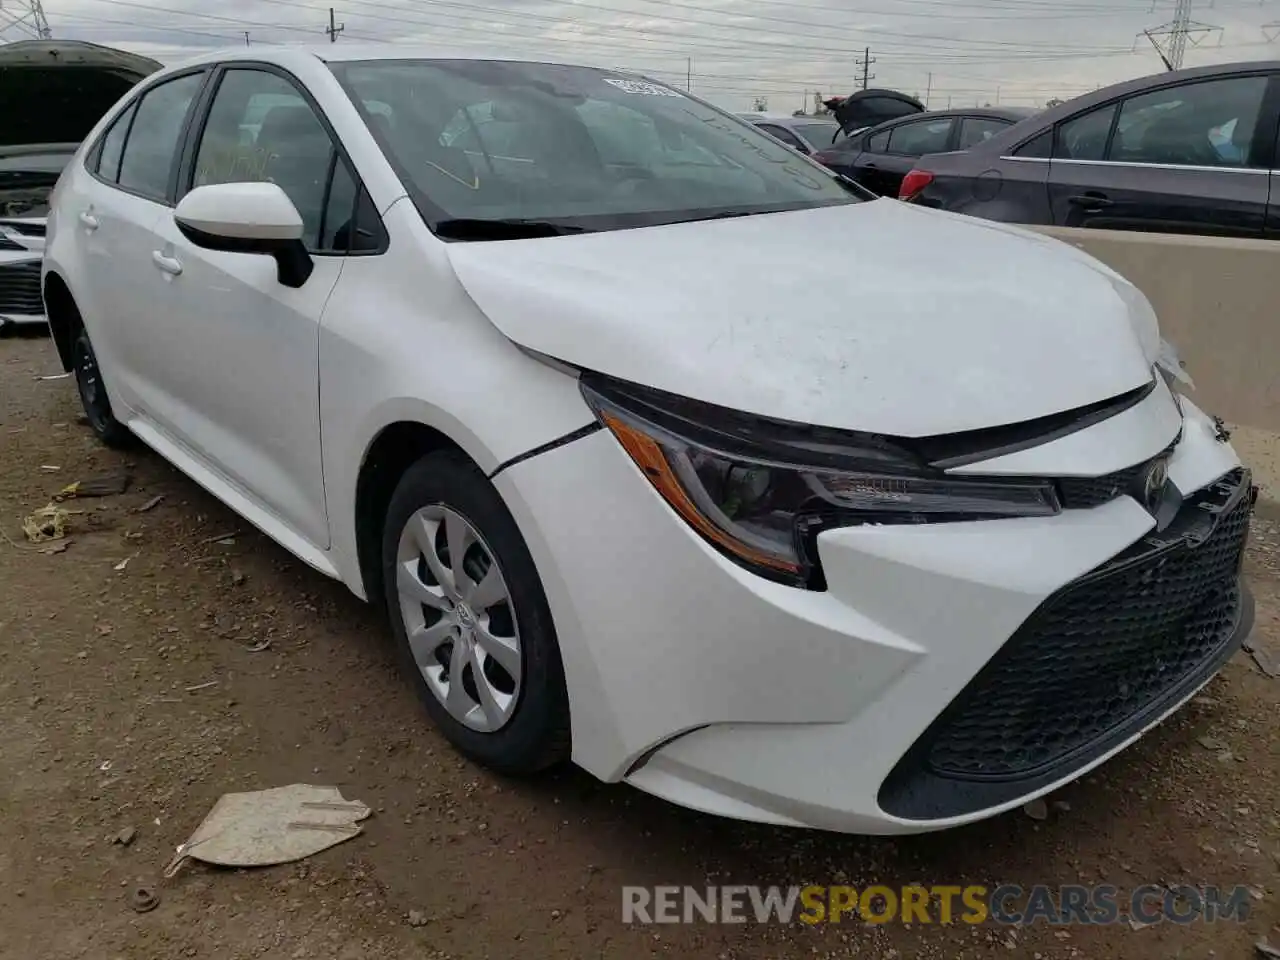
[[334, 28], [865, 63], [26, 16], [1177, 32]]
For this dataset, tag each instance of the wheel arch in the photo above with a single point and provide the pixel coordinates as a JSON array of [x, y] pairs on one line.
[[393, 450], [63, 316]]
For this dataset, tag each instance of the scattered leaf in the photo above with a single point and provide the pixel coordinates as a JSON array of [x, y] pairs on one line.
[[122, 564], [151, 504]]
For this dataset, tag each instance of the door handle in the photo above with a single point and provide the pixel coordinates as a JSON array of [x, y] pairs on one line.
[[1091, 202], [89, 220], [170, 265]]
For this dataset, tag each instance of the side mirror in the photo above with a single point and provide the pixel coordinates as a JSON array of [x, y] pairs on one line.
[[247, 218]]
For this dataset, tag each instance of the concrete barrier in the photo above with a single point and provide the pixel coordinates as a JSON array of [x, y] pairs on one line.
[[1217, 300]]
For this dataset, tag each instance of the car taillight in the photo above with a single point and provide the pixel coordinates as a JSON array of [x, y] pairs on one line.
[[913, 183]]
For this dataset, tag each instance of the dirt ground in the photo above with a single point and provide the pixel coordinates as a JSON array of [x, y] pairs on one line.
[[131, 698]]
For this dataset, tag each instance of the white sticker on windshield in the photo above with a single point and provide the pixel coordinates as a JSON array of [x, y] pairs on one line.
[[644, 88]]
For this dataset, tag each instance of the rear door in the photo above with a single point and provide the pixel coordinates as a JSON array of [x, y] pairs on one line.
[[1190, 158], [907, 141], [132, 169]]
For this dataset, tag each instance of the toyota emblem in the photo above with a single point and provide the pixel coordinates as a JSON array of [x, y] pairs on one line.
[[1153, 484]]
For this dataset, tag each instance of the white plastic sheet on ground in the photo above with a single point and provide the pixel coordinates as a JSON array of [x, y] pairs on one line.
[[267, 827]]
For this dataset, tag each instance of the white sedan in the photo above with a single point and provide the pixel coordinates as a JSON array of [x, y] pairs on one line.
[[558, 364]]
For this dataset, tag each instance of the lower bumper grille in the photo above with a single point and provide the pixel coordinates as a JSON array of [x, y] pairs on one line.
[[1094, 664], [20, 288]]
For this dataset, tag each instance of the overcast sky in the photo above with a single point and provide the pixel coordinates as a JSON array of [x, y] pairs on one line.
[[1008, 51]]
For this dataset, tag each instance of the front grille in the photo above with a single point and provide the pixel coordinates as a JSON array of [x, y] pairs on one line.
[[20, 288], [1083, 492], [7, 244], [1093, 663]]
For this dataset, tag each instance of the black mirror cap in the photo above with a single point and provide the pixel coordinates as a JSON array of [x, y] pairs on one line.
[[293, 263]]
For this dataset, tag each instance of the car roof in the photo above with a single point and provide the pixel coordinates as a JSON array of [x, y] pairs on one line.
[[348, 52]]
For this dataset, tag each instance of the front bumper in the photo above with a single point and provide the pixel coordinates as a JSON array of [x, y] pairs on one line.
[[891, 702]]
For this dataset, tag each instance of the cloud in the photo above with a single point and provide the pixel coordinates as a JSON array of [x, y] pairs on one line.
[[731, 51]]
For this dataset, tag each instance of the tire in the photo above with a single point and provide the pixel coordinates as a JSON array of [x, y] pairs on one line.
[[93, 394], [510, 710]]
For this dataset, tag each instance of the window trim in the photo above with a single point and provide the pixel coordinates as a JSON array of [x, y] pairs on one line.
[[95, 152], [185, 174]]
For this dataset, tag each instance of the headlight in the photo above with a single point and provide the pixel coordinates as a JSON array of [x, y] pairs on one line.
[[761, 491]]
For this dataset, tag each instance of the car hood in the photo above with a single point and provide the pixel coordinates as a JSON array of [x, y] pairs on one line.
[[874, 316], [55, 91]]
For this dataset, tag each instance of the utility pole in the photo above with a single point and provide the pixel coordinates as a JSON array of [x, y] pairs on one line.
[[928, 90], [1176, 33], [865, 63], [334, 28], [246, 38], [26, 14], [688, 75]]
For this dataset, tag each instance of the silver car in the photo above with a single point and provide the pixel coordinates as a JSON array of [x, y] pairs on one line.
[[805, 134]]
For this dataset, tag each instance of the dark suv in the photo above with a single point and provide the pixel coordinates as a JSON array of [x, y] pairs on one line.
[[1184, 152]]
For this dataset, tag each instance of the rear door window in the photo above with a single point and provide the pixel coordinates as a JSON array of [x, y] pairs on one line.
[[975, 130], [152, 146], [112, 148], [919, 137]]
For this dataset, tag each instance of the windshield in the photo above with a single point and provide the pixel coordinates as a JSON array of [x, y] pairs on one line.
[[575, 146]]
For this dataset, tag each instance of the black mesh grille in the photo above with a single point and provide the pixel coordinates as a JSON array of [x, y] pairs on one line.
[[20, 288], [1101, 650], [1083, 492], [1078, 492]]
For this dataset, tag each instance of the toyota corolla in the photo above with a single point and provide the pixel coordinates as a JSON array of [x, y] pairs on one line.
[[514, 349]]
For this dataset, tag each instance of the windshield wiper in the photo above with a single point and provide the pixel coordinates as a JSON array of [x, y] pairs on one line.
[[466, 228]]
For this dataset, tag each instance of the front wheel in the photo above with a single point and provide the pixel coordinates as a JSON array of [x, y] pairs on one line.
[[93, 394], [471, 618]]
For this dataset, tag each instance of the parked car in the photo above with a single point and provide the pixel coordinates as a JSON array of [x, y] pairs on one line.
[[803, 134], [52, 92], [881, 157], [880, 570], [1182, 152]]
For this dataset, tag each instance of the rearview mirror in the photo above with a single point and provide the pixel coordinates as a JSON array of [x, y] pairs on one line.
[[247, 218]]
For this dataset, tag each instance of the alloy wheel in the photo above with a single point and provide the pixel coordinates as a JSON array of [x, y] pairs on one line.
[[458, 618]]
